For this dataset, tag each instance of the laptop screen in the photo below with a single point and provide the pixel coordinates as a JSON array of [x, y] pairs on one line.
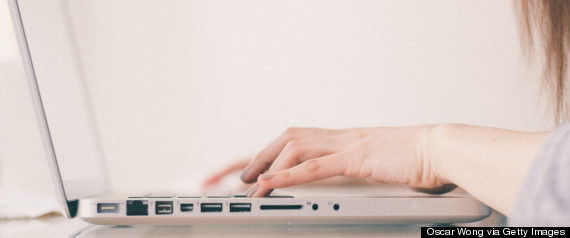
[[61, 97]]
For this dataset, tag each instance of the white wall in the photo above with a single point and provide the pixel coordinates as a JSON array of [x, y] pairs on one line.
[[181, 87], [22, 158]]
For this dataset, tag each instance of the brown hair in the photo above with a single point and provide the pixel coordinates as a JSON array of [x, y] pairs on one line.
[[548, 21]]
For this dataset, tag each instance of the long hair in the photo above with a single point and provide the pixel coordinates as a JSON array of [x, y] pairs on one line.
[[548, 22]]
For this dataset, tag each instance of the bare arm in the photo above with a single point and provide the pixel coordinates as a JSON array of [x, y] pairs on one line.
[[489, 163]]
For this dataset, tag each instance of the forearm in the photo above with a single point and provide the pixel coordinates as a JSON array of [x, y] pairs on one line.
[[488, 163]]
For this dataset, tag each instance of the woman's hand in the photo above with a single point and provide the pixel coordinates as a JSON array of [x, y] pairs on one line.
[[489, 163], [301, 155]]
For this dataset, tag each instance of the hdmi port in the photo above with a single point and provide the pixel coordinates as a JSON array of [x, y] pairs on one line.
[[281, 207]]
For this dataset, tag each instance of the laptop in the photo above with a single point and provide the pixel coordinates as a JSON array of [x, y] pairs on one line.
[[82, 182]]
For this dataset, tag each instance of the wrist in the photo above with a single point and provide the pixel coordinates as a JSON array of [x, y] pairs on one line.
[[435, 153], [427, 159]]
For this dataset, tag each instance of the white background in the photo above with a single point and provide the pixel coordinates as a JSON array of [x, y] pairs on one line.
[[179, 88]]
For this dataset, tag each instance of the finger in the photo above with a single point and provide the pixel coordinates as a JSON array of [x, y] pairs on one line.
[[310, 170], [265, 158], [216, 177], [253, 189], [298, 151]]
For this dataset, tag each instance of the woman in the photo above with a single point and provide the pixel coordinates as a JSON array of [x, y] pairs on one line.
[[524, 175]]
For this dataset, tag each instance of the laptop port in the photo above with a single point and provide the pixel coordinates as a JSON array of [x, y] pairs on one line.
[[211, 207], [163, 207], [186, 207], [240, 207], [281, 207], [107, 207], [336, 207], [137, 207], [315, 206]]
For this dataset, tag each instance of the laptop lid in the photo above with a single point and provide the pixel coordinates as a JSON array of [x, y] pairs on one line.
[[61, 100]]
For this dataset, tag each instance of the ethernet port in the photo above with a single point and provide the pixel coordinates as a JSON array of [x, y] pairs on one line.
[[137, 207]]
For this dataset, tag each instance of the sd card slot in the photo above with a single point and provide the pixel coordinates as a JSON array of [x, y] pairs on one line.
[[281, 207]]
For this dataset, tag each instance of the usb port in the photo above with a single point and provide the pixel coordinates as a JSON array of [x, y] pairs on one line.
[[163, 207], [107, 207], [186, 207], [211, 207], [240, 207]]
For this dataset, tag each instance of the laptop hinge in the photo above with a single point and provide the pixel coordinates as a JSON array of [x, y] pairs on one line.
[[72, 206]]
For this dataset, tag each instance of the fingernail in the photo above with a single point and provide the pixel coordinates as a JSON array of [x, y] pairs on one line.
[[251, 191], [244, 173], [266, 176]]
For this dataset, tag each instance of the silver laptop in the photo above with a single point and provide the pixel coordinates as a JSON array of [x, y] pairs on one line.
[[83, 187]]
